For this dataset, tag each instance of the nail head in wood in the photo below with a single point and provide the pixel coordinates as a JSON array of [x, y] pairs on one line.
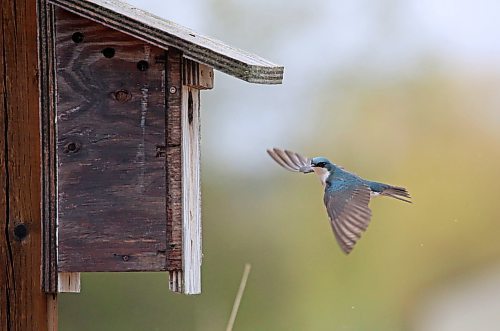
[[172, 90]]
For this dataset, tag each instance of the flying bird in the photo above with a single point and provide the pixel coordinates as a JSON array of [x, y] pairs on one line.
[[346, 194]]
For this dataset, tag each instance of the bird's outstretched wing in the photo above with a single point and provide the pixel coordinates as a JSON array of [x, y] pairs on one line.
[[290, 160], [347, 207]]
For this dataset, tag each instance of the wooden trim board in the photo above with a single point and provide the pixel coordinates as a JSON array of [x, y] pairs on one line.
[[191, 190], [49, 158], [184, 253], [173, 165]]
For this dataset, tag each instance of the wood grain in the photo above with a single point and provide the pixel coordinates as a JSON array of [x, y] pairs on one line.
[[111, 118], [23, 304], [191, 190], [197, 75], [174, 168], [49, 155], [69, 282], [163, 33], [52, 314]]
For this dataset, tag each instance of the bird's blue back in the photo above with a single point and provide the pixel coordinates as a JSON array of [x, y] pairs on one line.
[[340, 178]]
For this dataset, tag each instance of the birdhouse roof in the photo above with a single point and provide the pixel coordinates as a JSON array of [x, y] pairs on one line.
[[164, 33]]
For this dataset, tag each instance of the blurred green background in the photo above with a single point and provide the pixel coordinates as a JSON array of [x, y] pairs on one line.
[[403, 92]]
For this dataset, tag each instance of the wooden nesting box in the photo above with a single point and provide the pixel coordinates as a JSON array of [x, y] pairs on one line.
[[121, 139]]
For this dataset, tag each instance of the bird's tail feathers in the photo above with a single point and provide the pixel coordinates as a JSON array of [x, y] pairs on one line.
[[396, 192]]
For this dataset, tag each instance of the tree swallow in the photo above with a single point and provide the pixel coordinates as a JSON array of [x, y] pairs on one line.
[[346, 194]]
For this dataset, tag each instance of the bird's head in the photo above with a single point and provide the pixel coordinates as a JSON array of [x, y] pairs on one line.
[[321, 162], [322, 167], [319, 165]]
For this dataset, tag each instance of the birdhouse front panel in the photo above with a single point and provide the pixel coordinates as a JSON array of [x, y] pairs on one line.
[[110, 149]]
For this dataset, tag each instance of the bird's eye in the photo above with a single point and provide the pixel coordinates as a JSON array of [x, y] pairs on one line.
[[321, 164]]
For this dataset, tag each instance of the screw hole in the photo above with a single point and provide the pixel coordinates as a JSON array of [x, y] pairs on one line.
[[77, 37], [71, 147], [108, 52], [142, 65]]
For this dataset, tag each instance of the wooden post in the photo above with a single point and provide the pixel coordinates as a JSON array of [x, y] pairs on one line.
[[23, 303]]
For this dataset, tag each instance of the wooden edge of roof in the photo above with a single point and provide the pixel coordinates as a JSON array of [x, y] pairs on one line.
[[163, 33]]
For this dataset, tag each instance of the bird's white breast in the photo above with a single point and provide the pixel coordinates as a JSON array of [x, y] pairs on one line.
[[322, 174]]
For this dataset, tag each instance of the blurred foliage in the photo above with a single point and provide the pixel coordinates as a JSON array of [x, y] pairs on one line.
[[433, 131]]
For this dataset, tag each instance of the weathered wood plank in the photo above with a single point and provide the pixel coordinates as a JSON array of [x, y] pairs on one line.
[[6, 282], [205, 77], [69, 282], [111, 118], [197, 75], [163, 33], [174, 168], [191, 188], [48, 104], [23, 304]]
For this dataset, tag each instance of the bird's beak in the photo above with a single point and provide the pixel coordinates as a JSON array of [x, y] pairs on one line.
[[306, 169]]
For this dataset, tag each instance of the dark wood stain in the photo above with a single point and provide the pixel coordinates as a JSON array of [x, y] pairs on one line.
[[110, 120]]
